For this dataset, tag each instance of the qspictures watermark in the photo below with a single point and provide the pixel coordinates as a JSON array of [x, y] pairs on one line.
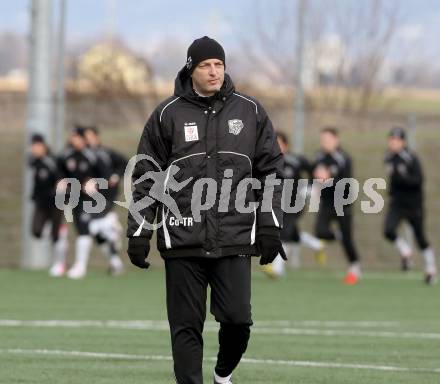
[[162, 185]]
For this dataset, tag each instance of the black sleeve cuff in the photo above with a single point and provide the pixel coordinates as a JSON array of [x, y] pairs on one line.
[[135, 241], [269, 231]]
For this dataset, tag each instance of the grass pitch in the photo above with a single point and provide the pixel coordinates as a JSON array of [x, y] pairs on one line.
[[309, 329]]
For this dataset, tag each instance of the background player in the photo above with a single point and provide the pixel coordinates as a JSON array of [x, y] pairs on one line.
[[332, 162], [295, 167], [106, 227], [80, 163], [45, 179], [406, 201]]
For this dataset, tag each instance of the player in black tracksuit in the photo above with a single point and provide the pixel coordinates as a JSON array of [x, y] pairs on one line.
[[46, 177], [80, 163], [297, 169], [107, 228], [333, 162], [406, 201], [209, 131]]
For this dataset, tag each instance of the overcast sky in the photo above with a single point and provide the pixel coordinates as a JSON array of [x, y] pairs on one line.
[[143, 20], [143, 24]]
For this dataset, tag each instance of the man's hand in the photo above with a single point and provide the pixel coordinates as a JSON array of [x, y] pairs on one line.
[[113, 180], [269, 246], [138, 249], [90, 187], [62, 185]]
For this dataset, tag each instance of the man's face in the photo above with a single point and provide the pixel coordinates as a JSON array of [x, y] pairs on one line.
[[208, 76], [395, 144], [282, 144], [78, 142], [38, 150], [92, 138], [329, 142]]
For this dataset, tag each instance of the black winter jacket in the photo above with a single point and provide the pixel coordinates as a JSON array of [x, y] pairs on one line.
[[82, 165], [115, 164], [339, 165], [204, 137], [406, 178], [46, 176]]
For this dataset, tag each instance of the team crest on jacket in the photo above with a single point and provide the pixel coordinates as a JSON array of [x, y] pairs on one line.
[[235, 126]]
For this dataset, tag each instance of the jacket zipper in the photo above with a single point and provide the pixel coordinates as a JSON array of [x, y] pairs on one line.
[[208, 157]]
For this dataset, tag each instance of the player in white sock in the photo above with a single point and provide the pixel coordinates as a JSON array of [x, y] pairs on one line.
[[333, 162], [430, 265], [60, 248], [107, 229], [405, 252], [82, 252], [116, 267], [107, 232], [46, 175], [78, 162], [406, 201]]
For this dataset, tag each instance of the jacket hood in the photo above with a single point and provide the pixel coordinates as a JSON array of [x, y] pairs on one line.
[[183, 86]]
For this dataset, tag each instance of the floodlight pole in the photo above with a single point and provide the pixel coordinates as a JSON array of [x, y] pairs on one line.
[[36, 254], [299, 118], [60, 78]]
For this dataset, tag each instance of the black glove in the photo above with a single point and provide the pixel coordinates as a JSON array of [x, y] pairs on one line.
[[138, 249], [269, 245]]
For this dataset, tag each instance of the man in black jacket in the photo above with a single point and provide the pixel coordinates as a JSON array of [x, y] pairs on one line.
[[406, 201], [210, 132], [334, 163]]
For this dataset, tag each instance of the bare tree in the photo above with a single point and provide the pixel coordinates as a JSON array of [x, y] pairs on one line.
[[270, 43], [366, 28], [347, 45]]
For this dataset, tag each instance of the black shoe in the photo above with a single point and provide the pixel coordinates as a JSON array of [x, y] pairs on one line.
[[430, 279], [405, 264]]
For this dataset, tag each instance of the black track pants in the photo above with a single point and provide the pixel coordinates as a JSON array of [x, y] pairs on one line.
[[187, 280], [326, 215]]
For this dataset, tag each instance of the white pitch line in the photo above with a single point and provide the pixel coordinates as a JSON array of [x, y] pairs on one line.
[[329, 323], [293, 363], [213, 327], [148, 325], [365, 277], [98, 355], [351, 333], [163, 324]]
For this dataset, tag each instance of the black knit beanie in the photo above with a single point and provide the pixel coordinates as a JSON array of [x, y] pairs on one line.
[[203, 49], [79, 130], [37, 138], [398, 132]]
